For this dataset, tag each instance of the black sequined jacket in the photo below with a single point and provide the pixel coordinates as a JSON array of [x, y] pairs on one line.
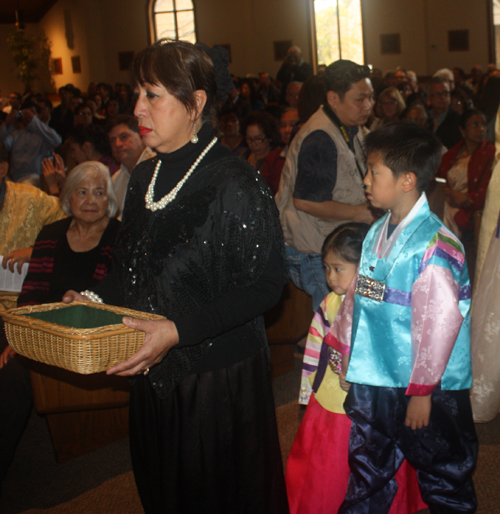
[[212, 261]]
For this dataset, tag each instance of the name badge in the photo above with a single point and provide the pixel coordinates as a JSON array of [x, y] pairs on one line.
[[370, 288]]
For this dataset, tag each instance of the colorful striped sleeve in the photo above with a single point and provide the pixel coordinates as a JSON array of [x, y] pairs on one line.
[[436, 316], [319, 327]]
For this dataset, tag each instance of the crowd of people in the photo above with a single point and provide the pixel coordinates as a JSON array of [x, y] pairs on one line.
[[197, 195]]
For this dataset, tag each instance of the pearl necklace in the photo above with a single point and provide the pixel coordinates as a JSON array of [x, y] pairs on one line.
[[160, 204]]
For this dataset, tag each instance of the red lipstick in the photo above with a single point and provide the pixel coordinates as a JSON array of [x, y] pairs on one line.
[[144, 131]]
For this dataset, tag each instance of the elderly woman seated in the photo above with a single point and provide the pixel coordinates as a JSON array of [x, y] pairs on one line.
[[82, 242]]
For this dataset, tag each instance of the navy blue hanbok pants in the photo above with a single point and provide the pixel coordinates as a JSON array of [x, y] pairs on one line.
[[443, 453]]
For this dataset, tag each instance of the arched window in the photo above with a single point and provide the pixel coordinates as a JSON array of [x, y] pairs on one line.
[[339, 30], [174, 19]]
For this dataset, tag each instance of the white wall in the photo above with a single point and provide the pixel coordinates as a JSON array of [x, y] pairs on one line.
[[423, 26], [448, 15], [250, 27], [405, 17], [75, 29]]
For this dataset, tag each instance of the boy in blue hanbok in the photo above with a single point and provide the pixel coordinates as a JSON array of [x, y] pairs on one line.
[[409, 340]]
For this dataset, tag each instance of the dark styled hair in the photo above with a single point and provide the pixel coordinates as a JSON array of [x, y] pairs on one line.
[[405, 147], [267, 123], [181, 68], [342, 74], [346, 241], [122, 119], [93, 134], [467, 115]]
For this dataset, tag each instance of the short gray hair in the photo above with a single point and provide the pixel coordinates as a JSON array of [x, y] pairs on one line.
[[86, 170]]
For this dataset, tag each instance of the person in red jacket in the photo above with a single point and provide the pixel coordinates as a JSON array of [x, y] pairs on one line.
[[467, 169]]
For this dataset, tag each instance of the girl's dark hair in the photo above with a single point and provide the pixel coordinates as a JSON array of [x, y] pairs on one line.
[[267, 123], [181, 68], [467, 115], [346, 241], [93, 134]]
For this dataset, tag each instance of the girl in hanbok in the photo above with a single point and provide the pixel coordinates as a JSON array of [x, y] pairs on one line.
[[317, 469]]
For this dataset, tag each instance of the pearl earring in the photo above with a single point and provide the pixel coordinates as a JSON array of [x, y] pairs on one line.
[[194, 138]]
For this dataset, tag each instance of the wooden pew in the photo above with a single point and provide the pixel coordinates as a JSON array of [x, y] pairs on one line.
[[83, 412]]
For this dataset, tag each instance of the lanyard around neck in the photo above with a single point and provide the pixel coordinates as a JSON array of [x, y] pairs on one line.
[[343, 130]]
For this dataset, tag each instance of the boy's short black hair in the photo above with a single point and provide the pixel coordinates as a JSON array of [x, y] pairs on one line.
[[406, 147]]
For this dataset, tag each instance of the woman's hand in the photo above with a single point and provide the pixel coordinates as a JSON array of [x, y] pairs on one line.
[[53, 173], [418, 412], [18, 257], [72, 296], [6, 355], [161, 336]]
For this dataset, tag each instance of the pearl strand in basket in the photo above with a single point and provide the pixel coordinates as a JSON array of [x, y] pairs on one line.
[[93, 297]]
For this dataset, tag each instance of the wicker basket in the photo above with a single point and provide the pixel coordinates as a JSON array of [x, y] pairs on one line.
[[66, 344]]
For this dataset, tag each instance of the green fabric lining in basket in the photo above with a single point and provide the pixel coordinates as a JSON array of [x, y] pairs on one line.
[[79, 316]]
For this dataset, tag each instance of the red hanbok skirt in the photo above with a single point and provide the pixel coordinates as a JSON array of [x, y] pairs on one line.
[[317, 470]]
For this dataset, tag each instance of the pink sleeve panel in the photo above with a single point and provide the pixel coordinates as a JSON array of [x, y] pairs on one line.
[[436, 321]]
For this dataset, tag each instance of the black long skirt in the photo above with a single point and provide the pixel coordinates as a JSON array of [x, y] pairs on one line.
[[210, 447]]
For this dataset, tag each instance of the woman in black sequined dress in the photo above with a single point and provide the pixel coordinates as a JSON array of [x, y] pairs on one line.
[[200, 244]]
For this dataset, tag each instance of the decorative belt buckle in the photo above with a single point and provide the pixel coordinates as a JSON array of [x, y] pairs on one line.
[[373, 289]]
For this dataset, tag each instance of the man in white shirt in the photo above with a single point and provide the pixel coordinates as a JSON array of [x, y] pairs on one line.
[[128, 149]]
